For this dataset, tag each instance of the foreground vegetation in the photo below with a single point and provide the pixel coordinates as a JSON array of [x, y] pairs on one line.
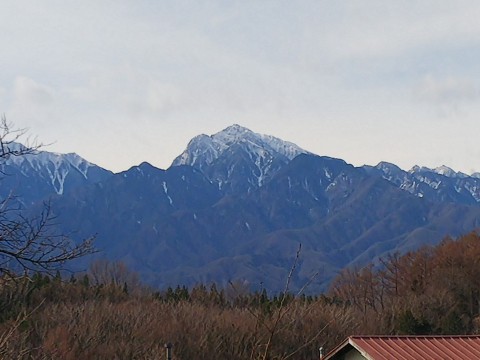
[[73, 320], [435, 290], [108, 314]]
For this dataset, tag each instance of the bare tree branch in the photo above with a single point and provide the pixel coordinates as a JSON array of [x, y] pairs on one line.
[[282, 310], [31, 244], [10, 141]]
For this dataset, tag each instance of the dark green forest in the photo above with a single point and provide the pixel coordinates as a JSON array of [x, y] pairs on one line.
[[107, 313]]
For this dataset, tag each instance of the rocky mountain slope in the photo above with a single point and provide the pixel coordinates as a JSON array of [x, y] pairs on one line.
[[237, 159], [37, 176], [440, 185], [236, 206]]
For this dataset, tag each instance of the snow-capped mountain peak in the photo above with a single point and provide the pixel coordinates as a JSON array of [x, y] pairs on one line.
[[53, 168], [232, 134], [440, 170], [417, 168], [261, 154], [445, 170], [388, 168], [441, 184], [211, 147]]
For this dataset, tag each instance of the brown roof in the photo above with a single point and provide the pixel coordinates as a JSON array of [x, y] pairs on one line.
[[411, 347]]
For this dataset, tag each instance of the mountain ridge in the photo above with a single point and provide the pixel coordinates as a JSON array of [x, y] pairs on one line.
[[240, 209], [224, 156], [41, 174]]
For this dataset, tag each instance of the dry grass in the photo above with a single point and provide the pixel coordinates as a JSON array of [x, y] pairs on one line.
[[138, 328]]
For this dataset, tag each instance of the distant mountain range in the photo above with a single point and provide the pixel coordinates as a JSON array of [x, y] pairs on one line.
[[236, 205]]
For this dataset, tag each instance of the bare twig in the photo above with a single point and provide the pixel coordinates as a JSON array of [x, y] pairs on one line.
[[281, 313], [304, 345], [31, 243], [9, 141], [6, 336]]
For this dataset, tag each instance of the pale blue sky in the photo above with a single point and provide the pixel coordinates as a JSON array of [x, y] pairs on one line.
[[121, 82]]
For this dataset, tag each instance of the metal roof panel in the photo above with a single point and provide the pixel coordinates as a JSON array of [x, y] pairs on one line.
[[413, 347]]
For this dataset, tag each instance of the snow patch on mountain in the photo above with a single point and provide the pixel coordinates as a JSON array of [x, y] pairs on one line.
[[441, 182], [445, 170], [54, 167], [238, 151], [165, 190], [203, 149], [441, 170]]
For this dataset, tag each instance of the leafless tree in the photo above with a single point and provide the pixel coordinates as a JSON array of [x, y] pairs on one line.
[[30, 243], [114, 273]]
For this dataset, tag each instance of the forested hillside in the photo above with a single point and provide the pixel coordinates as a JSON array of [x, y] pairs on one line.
[[435, 290], [107, 313]]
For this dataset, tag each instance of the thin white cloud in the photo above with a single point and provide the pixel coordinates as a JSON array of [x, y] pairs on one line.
[[33, 104], [29, 92], [3, 98], [377, 29], [162, 98], [448, 96], [447, 90]]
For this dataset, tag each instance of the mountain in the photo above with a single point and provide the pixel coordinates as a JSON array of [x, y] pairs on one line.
[[440, 185], [236, 205], [131, 211], [37, 176], [237, 159]]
